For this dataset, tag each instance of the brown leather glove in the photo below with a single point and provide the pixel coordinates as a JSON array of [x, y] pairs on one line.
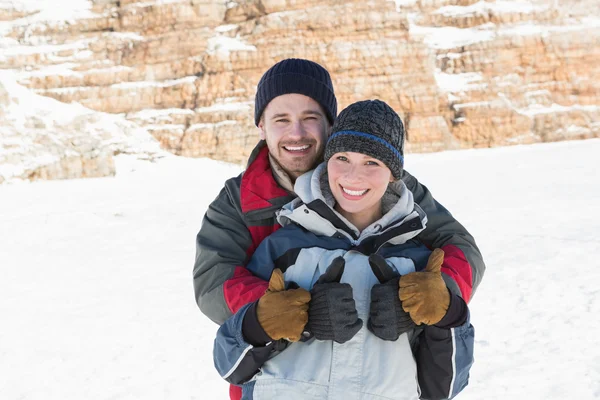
[[424, 294], [283, 313]]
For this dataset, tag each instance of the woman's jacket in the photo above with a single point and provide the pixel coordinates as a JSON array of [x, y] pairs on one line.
[[428, 362]]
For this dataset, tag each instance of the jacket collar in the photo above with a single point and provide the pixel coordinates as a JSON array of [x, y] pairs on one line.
[[314, 210], [258, 189]]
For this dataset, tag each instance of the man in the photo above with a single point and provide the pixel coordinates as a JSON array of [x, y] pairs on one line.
[[294, 110]]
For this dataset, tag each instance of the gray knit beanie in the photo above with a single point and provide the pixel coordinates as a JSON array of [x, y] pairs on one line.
[[295, 75], [369, 127]]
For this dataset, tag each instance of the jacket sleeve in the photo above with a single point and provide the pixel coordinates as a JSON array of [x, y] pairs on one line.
[[221, 282], [444, 358], [236, 360], [463, 266]]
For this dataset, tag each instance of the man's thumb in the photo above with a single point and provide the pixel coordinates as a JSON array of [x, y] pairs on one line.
[[334, 271], [434, 264], [381, 269], [276, 283]]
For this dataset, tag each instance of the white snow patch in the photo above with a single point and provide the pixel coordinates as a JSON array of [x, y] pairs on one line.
[[448, 37], [403, 3], [225, 107], [127, 36], [165, 112], [143, 4], [536, 109], [459, 82], [208, 125], [45, 49], [143, 84], [65, 69], [45, 11], [484, 7], [226, 28], [223, 45], [38, 130], [531, 29]]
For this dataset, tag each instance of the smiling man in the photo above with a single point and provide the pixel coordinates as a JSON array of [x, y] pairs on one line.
[[295, 107]]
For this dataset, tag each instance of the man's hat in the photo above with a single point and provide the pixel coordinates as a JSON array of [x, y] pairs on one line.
[[296, 76]]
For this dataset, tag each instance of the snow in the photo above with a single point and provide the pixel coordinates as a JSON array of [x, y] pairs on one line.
[[37, 131], [536, 109], [226, 28], [485, 7], [97, 298], [234, 106], [459, 82], [45, 11], [223, 45], [449, 37], [143, 84], [403, 3]]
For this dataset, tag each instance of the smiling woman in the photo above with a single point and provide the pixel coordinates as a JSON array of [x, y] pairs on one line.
[[358, 182]]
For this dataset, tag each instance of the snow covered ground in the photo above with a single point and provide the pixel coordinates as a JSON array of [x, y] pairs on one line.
[[96, 298]]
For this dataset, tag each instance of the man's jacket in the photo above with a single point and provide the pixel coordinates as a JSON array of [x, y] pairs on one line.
[[429, 362], [243, 215]]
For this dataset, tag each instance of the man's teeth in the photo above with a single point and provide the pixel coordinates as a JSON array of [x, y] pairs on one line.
[[296, 148], [354, 192]]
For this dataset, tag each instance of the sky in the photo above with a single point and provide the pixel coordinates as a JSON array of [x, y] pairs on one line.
[[97, 302]]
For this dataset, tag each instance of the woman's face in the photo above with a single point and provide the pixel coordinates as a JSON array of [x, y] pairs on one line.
[[358, 183]]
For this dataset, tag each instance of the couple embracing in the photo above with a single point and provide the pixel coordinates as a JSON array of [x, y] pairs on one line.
[[346, 281]]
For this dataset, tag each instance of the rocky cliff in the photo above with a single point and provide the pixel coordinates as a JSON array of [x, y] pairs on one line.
[[462, 73]]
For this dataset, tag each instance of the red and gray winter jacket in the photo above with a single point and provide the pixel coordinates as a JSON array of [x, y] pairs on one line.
[[243, 214]]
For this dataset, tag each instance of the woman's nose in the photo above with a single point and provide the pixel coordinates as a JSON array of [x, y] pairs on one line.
[[353, 174]]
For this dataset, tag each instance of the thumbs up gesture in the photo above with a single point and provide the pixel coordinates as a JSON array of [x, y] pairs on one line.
[[283, 313], [424, 294], [387, 319], [332, 311]]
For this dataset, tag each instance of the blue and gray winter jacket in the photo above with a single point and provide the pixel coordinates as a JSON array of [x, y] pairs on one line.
[[428, 362]]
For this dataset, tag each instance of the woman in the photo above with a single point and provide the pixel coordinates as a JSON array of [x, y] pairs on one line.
[[348, 253]]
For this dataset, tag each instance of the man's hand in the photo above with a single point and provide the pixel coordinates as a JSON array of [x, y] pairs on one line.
[[332, 313], [283, 313], [387, 319], [424, 294]]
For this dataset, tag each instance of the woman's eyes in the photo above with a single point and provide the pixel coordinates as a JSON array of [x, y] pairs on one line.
[[345, 159]]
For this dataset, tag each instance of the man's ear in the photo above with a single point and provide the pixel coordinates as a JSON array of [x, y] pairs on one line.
[[261, 128]]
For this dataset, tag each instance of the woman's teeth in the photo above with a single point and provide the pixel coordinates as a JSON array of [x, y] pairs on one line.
[[354, 192]]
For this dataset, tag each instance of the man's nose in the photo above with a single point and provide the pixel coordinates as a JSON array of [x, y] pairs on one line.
[[297, 130]]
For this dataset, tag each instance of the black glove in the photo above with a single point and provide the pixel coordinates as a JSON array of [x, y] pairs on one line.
[[332, 312], [387, 319]]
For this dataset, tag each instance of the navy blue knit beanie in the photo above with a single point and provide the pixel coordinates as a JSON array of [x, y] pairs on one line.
[[369, 127], [300, 76]]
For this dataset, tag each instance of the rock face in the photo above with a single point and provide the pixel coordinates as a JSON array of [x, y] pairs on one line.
[[462, 73]]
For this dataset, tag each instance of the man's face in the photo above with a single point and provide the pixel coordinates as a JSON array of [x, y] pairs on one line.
[[296, 130]]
